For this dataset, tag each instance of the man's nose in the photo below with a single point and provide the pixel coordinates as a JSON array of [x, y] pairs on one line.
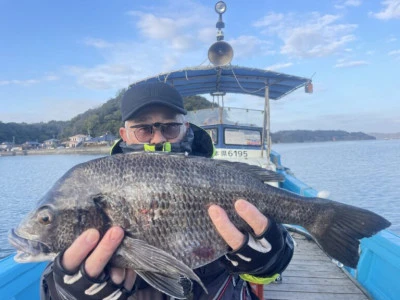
[[157, 137]]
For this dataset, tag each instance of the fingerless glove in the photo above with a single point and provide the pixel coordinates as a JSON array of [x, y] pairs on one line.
[[262, 255], [79, 285]]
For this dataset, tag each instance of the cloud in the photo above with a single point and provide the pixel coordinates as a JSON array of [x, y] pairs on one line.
[[178, 30], [102, 77], [19, 82], [310, 35], [47, 109], [250, 46], [28, 82], [349, 64], [395, 54], [346, 3], [51, 78], [154, 27], [390, 11], [97, 43], [206, 35], [126, 62], [354, 3], [271, 19], [279, 66], [165, 39], [392, 39]]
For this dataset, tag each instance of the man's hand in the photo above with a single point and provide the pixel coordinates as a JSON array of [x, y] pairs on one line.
[[248, 212], [95, 263], [256, 253]]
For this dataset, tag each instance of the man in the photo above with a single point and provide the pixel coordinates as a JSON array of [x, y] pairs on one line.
[[154, 120]]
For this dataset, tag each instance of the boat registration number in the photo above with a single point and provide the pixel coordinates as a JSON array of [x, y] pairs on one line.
[[232, 153]]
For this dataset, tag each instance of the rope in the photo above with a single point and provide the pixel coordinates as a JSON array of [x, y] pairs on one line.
[[242, 88]]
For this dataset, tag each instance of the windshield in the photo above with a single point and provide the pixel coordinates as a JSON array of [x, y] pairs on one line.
[[227, 115]]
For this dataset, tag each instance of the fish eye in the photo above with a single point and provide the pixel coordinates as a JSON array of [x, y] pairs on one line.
[[45, 216]]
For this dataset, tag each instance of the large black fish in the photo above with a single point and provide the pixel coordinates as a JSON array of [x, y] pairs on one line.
[[161, 202]]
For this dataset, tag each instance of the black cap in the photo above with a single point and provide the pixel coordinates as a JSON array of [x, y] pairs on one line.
[[140, 95]]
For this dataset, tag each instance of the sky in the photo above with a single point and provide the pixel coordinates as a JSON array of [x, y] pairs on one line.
[[61, 58]]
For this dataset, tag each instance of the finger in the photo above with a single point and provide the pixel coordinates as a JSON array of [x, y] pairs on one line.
[[252, 216], [79, 249], [130, 279], [117, 275], [232, 236], [100, 256]]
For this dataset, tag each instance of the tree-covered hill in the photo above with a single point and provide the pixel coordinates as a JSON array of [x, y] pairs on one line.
[[304, 136], [96, 122], [22, 132]]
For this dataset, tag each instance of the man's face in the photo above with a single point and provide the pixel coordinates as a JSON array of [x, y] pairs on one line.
[[150, 115]]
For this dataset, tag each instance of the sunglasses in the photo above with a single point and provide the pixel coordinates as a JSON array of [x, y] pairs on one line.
[[144, 132]]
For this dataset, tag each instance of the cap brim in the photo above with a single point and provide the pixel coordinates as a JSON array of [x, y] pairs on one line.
[[151, 102]]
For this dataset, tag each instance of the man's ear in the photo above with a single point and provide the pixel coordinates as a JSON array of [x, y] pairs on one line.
[[123, 133], [187, 124]]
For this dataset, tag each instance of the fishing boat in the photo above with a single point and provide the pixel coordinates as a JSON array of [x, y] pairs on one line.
[[243, 134]]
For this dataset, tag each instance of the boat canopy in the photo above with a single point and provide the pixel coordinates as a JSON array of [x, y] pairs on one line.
[[230, 79]]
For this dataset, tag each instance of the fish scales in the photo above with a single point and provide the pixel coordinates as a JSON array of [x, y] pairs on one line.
[[187, 188]]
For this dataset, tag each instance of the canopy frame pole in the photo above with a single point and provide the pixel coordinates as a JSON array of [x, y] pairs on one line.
[[221, 112], [266, 128]]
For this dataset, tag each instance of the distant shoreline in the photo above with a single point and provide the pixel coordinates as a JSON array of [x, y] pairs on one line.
[[86, 150]]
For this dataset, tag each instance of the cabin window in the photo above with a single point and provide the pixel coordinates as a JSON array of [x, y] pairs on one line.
[[245, 137], [214, 134]]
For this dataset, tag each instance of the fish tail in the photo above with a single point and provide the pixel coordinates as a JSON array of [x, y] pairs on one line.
[[340, 227]]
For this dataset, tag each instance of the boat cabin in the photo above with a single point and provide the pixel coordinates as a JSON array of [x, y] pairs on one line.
[[237, 133]]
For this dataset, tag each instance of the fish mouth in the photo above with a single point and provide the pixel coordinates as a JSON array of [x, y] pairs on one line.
[[29, 250]]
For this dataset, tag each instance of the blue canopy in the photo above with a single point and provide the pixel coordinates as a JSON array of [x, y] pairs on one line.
[[230, 79]]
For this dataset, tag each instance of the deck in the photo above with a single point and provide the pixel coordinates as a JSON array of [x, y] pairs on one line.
[[311, 275]]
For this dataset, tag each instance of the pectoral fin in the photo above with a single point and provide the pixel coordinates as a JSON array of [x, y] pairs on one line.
[[176, 287], [158, 268]]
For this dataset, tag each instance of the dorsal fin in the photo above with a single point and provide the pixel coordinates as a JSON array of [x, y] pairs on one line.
[[256, 171]]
